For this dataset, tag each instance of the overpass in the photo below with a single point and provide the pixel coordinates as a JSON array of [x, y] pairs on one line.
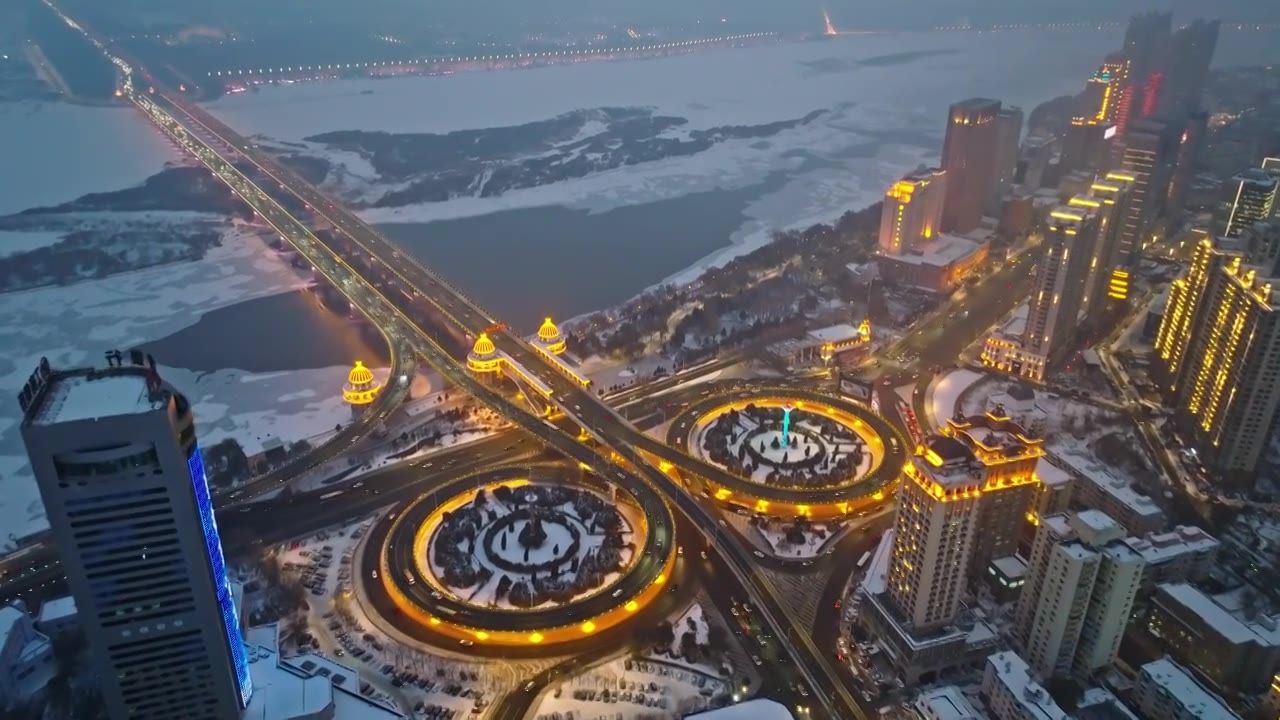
[[361, 246]]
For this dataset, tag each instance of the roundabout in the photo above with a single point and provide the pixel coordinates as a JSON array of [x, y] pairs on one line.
[[532, 557], [789, 452]]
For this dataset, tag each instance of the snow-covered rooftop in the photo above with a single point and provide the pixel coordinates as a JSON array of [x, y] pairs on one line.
[[57, 609], [1011, 566], [946, 703], [946, 250], [1118, 488], [759, 709], [9, 616], [1051, 474], [835, 334], [876, 580], [1100, 704], [1178, 683], [303, 686], [1214, 615], [93, 395], [1156, 548], [1011, 671]]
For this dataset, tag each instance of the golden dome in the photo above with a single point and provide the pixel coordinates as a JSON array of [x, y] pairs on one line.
[[360, 375], [548, 332], [483, 346]]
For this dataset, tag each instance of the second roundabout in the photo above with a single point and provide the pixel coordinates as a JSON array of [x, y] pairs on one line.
[[785, 451], [525, 556]]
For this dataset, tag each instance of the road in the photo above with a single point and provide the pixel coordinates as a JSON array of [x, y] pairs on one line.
[[369, 269]]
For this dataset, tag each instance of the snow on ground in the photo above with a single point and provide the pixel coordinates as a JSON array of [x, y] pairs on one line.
[[556, 545], [884, 117], [635, 688], [75, 325], [943, 395], [804, 443], [55, 152], [691, 619], [607, 372], [776, 537], [12, 243]]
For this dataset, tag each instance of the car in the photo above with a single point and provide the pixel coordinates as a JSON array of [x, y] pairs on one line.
[[530, 686], [756, 659], [758, 554], [466, 643], [680, 550]]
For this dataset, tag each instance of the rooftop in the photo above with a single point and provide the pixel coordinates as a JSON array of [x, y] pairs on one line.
[[1182, 540], [1117, 488], [1099, 704], [1011, 566], [759, 709], [1010, 670], [948, 703], [836, 334], [1051, 474], [945, 250], [1236, 630], [89, 393], [57, 609], [1178, 683]]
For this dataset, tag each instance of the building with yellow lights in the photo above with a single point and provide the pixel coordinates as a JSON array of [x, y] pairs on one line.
[[937, 265], [1062, 295], [1108, 95], [1151, 150], [361, 388], [963, 500], [1253, 200], [1218, 355], [912, 211], [548, 338]]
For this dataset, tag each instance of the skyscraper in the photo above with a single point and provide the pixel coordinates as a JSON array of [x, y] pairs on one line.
[[1081, 582], [912, 212], [1253, 200], [962, 503], [1150, 154], [114, 453], [969, 159], [1190, 55], [1008, 139], [1087, 146], [1146, 44], [1071, 237], [1108, 95], [1218, 354], [1106, 279]]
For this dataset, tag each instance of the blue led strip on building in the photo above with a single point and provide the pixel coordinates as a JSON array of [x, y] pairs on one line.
[[213, 545]]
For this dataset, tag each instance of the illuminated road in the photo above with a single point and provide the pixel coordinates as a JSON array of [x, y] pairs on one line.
[[363, 262]]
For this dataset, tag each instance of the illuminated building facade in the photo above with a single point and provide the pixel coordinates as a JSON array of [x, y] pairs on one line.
[[1150, 156], [1146, 44], [969, 159], [980, 474], [1107, 281], [912, 213], [114, 453], [361, 389], [1071, 236], [1080, 585], [1108, 95], [1253, 200], [1218, 356]]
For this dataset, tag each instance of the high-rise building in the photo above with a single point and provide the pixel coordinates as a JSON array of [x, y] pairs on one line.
[[1146, 44], [1194, 134], [1071, 238], [912, 212], [1218, 353], [1081, 582], [1087, 146], [969, 159], [1008, 140], [1107, 280], [1190, 55], [114, 453], [980, 475], [1150, 155], [1108, 95], [1253, 200]]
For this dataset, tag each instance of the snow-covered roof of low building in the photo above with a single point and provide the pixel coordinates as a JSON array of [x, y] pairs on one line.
[[1011, 566], [946, 703], [1156, 548], [1265, 632], [1100, 704], [944, 251], [1190, 694], [836, 334], [303, 686], [9, 616], [57, 609], [758, 709], [1051, 474], [1010, 670], [1118, 488], [876, 580]]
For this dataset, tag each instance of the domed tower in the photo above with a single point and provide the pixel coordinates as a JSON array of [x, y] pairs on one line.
[[549, 337], [361, 388], [483, 358]]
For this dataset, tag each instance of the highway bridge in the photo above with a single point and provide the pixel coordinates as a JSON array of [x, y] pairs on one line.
[[358, 260]]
